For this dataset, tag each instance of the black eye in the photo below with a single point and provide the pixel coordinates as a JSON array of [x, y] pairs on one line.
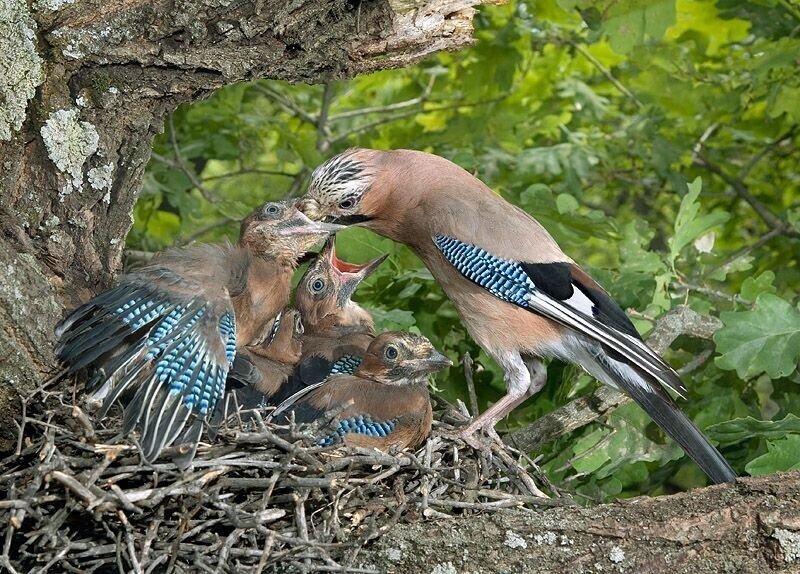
[[318, 285], [272, 209], [391, 352], [346, 204]]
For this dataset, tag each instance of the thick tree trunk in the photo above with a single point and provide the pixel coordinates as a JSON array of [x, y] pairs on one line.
[[84, 87], [750, 527]]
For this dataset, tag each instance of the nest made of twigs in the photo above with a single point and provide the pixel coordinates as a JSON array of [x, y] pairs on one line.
[[79, 499]]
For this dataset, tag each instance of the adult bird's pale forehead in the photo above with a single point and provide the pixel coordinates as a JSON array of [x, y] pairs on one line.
[[340, 178]]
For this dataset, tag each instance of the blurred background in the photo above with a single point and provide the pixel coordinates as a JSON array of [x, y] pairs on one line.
[[656, 140]]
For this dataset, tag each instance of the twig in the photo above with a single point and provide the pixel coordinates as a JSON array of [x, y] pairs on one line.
[[606, 72], [741, 189]]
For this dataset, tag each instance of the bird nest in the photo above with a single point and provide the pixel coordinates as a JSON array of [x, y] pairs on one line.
[[79, 499]]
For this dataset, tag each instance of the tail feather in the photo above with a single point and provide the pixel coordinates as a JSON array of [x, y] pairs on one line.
[[188, 441], [651, 396]]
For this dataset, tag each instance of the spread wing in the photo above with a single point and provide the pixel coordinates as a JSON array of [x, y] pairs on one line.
[[161, 344]]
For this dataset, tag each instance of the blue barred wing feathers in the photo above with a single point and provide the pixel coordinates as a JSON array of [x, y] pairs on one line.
[[161, 345]]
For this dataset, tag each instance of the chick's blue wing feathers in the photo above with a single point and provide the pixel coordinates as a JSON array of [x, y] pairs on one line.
[[357, 425], [161, 343]]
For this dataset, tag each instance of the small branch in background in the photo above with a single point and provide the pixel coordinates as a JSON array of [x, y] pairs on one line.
[[323, 133], [697, 362], [421, 99], [769, 148], [180, 164], [286, 104], [606, 72], [686, 286], [587, 409], [250, 171], [197, 233], [744, 251], [742, 190], [701, 141]]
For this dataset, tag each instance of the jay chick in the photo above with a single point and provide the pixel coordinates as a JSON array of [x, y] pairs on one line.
[[384, 404], [162, 341], [338, 331], [519, 296]]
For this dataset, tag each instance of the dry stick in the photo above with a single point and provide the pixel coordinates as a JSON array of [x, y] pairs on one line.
[[21, 426]]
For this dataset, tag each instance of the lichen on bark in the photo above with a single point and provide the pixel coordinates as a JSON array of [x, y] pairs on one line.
[[69, 143], [20, 65]]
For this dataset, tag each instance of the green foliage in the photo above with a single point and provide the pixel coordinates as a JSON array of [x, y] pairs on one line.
[[601, 119], [781, 455], [765, 339], [737, 430]]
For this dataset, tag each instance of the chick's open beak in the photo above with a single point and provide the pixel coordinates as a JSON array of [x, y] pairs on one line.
[[361, 271]]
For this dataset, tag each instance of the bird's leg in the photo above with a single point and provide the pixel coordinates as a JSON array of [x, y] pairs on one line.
[[523, 379]]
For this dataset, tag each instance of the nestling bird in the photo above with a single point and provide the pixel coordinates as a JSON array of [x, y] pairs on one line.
[[163, 340], [261, 376], [519, 296], [337, 330], [385, 403]]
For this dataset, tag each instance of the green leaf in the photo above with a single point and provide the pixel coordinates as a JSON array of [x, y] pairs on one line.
[[787, 102], [741, 429], [566, 203], [689, 224], [781, 455], [631, 22], [752, 287], [765, 339]]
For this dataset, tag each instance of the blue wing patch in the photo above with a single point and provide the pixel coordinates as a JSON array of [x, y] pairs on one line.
[[227, 329], [358, 425], [503, 278], [345, 365]]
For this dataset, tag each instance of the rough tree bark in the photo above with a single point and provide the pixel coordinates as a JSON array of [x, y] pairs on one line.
[[752, 527], [84, 88]]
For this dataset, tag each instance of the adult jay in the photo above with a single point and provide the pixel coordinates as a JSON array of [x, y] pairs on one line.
[[384, 404], [163, 340], [519, 296], [337, 330]]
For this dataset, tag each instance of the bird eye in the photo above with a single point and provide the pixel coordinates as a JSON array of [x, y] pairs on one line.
[[272, 209], [391, 352], [346, 204], [318, 285]]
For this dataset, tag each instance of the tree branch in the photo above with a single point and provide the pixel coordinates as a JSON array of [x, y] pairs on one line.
[[742, 190], [701, 531]]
